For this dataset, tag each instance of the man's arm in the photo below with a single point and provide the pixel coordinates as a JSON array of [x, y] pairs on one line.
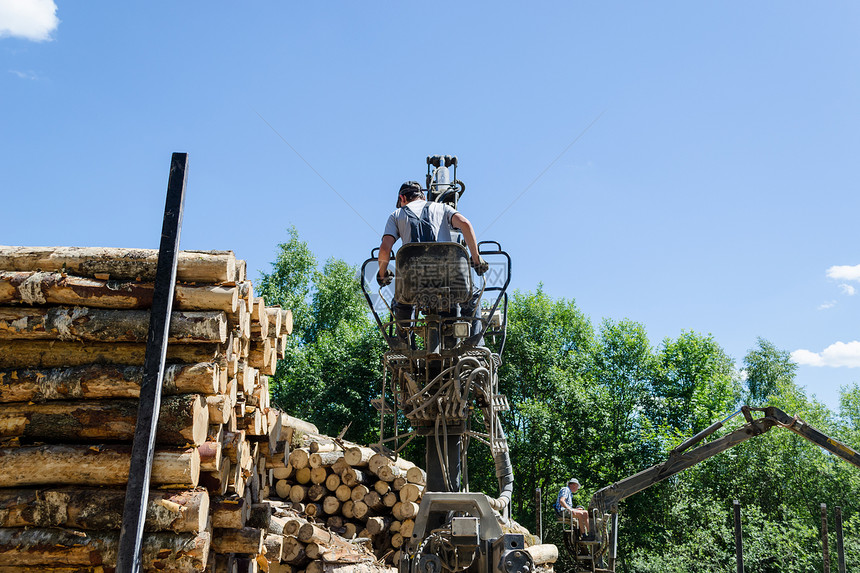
[[385, 254], [460, 222]]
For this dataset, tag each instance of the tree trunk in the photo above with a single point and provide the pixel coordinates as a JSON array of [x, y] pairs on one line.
[[92, 465], [332, 482], [274, 315], [310, 532], [299, 458], [416, 475], [316, 492], [44, 354], [58, 547], [182, 419], [300, 425], [319, 475], [353, 477], [323, 459], [546, 553], [99, 509], [294, 550], [210, 456], [358, 456], [120, 263], [96, 381], [99, 325], [274, 547], [34, 288], [377, 525], [230, 512], [331, 505], [245, 540], [411, 492]]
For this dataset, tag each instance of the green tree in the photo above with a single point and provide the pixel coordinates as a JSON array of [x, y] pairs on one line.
[[767, 369], [331, 368], [696, 384]]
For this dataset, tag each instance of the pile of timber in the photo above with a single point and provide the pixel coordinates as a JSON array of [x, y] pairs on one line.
[[351, 491], [73, 327]]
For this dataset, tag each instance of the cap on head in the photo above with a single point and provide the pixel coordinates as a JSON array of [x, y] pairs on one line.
[[410, 190], [573, 480]]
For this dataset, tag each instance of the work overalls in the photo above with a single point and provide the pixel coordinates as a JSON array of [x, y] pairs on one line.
[[422, 231]]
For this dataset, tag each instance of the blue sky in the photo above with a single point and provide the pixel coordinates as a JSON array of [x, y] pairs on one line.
[[715, 189]]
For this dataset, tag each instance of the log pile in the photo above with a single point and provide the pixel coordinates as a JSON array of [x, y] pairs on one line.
[[228, 493], [73, 327], [352, 491]]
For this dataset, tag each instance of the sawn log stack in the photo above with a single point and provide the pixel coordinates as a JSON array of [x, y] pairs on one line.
[[229, 493], [73, 326]]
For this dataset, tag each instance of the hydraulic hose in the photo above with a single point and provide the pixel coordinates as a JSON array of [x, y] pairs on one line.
[[505, 475]]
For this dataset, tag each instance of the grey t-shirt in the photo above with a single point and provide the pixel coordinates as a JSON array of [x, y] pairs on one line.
[[440, 217]]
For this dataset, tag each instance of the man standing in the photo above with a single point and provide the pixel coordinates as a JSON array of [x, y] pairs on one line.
[[565, 503], [417, 220]]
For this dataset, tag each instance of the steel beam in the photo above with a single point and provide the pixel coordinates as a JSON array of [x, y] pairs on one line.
[[143, 447]]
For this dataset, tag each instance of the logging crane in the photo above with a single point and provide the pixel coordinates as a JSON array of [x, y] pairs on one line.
[[444, 383], [596, 550]]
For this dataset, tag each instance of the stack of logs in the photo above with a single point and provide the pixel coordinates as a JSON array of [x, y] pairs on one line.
[[73, 327], [227, 493], [355, 492]]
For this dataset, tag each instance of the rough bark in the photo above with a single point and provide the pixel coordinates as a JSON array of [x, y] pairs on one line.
[[92, 465], [37, 288], [103, 381], [60, 547], [101, 509], [182, 419], [49, 354], [120, 263], [245, 540], [100, 325]]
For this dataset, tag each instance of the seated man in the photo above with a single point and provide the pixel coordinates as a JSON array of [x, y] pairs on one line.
[[565, 503], [417, 220]]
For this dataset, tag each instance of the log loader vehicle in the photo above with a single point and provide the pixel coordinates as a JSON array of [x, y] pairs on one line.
[[443, 382], [596, 549]]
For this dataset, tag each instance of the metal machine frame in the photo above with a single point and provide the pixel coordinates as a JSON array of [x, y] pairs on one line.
[[603, 508], [440, 378]]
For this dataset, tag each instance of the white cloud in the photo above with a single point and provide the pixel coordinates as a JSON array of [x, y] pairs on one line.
[[826, 305], [836, 355], [29, 75], [847, 289], [844, 273], [29, 19]]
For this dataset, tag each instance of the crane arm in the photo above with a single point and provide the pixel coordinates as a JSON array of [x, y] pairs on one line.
[[681, 458]]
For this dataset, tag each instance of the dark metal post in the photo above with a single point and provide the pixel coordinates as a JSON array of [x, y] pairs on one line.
[[825, 549], [840, 547], [143, 447], [739, 547], [539, 514], [613, 541]]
